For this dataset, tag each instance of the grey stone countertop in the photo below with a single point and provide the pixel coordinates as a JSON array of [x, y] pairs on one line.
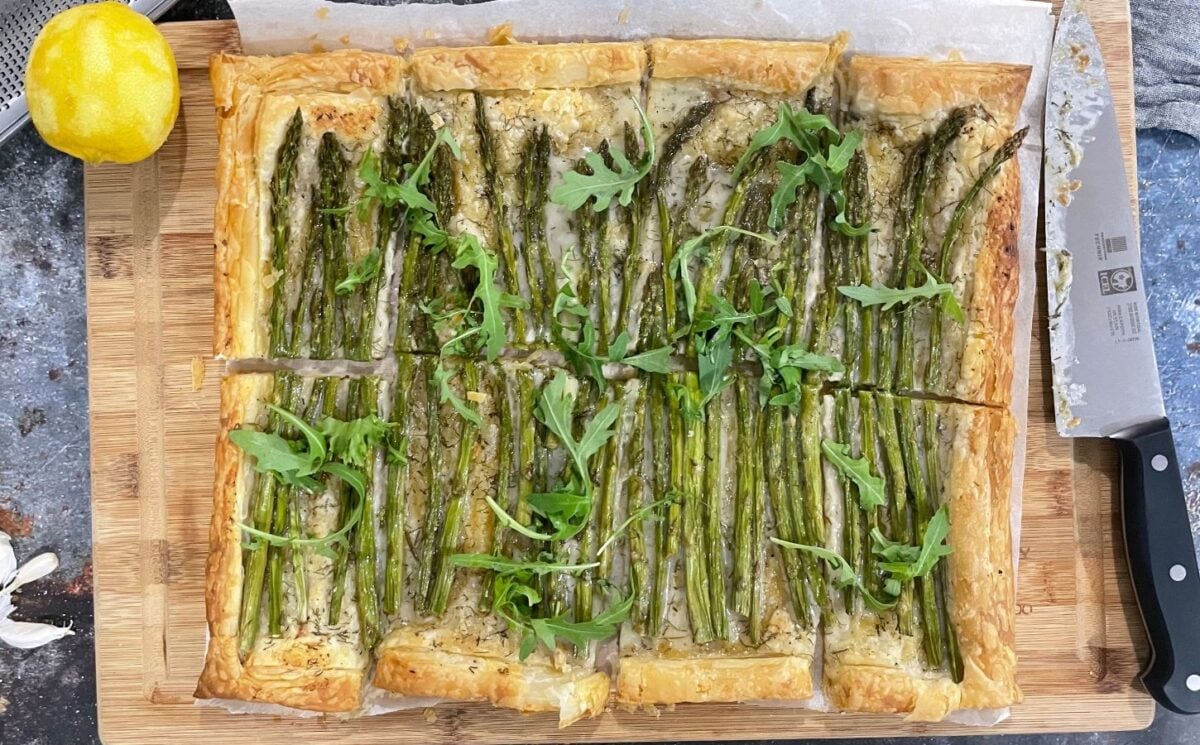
[[47, 696]]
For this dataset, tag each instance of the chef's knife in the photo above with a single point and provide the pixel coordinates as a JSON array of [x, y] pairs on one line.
[[1102, 355]]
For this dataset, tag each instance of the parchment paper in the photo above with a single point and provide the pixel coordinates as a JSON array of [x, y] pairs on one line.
[[1014, 31]]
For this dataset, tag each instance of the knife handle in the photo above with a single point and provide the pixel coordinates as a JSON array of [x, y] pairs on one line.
[[1162, 563]]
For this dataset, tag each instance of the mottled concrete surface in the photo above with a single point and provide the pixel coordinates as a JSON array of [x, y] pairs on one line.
[[47, 696]]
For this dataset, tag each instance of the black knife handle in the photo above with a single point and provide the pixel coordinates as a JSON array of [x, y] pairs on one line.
[[1162, 563]]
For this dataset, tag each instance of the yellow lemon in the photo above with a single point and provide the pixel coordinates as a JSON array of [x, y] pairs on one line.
[[102, 84]]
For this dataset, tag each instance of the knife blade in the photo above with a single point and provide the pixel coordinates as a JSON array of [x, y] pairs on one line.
[[1102, 354]]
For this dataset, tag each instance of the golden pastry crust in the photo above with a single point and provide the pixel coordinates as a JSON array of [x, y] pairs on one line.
[[778, 67], [924, 89], [896, 101], [407, 666], [978, 492], [529, 67], [878, 670], [645, 680], [986, 368], [240, 86], [305, 672]]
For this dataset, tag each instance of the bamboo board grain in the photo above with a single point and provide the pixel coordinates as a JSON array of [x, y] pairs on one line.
[[153, 392]]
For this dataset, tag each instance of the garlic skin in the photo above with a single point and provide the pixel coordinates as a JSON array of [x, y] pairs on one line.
[[24, 634]]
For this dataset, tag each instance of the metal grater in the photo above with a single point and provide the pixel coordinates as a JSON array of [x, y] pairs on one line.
[[20, 22]]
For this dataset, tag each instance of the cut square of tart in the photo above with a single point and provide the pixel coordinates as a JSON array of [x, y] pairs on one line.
[[721, 614], [712, 105], [301, 261], [501, 594], [291, 600], [938, 145], [918, 494], [526, 115]]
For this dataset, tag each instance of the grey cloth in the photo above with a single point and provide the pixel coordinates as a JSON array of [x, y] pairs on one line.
[[1166, 64]]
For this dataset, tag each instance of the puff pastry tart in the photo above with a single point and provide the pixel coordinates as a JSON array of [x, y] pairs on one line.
[[680, 375]]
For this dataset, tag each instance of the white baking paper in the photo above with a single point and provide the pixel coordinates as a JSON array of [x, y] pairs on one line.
[[1013, 31]]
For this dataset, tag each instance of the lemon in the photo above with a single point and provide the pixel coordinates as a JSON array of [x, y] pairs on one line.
[[101, 84]]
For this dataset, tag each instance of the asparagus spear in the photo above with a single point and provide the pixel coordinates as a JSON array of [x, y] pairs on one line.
[[911, 447], [858, 208], [635, 214], [856, 261], [283, 184], [866, 417], [505, 444], [639, 560], [898, 492], [852, 536], [607, 504], [434, 504], [1004, 154], [685, 129], [714, 487], [366, 594], [333, 168], [940, 584], [540, 166], [341, 560], [912, 271], [396, 509], [451, 534], [585, 222], [716, 250], [666, 534], [747, 511], [689, 438], [804, 498], [390, 164], [786, 523], [586, 582], [498, 207]]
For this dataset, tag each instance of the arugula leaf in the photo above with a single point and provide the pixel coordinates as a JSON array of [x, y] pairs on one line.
[[568, 510], [583, 355], [826, 170], [513, 523], [433, 237], [468, 252], [642, 513], [844, 575], [890, 550], [870, 486], [273, 454], [505, 565], [800, 126], [555, 409], [443, 377], [933, 547], [886, 297], [714, 357], [408, 192], [678, 268], [566, 301], [355, 478], [316, 441], [323, 545], [579, 633], [419, 175], [604, 184], [363, 270], [796, 356], [657, 360], [353, 441]]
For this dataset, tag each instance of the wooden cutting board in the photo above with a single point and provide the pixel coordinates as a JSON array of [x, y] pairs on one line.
[[153, 395]]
